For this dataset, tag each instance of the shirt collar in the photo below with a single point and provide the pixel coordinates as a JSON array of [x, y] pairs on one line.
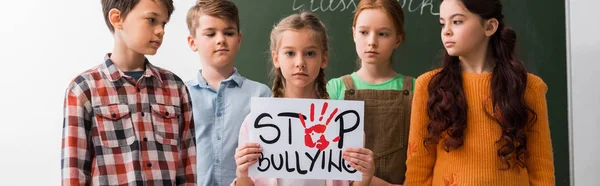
[[113, 73], [236, 78]]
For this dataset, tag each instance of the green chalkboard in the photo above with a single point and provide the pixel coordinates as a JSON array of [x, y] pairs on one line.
[[540, 27]]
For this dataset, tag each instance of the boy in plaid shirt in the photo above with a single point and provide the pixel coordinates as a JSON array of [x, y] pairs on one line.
[[126, 121]]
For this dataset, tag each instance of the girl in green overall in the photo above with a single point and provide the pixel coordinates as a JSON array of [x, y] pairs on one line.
[[377, 30]]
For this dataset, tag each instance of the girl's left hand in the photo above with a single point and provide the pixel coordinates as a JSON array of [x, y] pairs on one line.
[[361, 159]]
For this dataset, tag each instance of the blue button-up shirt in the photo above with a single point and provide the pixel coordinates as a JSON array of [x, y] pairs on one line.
[[218, 115]]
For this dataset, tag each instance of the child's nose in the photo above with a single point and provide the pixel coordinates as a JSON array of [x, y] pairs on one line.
[[300, 62], [220, 39], [372, 41]]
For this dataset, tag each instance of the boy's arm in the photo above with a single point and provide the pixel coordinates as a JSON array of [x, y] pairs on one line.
[[186, 168], [266, 91], [77, 148]]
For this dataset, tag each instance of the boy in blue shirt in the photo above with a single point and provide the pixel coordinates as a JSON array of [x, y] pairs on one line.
[[220, 95]]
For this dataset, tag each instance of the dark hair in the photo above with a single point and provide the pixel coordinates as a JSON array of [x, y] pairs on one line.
[[125, 7], [223, 9], [447, 104]]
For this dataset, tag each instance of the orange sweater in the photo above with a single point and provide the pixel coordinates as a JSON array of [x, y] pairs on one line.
[[476, 163]]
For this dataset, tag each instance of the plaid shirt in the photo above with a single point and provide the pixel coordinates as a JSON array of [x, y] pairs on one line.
[[118, 131]]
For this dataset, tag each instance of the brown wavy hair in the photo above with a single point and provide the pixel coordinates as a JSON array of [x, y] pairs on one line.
[[447, 105], [294, 22]]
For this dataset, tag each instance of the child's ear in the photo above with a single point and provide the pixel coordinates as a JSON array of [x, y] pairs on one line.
[[192, 43], [399, 41], [325, 60], [354, 34], [275, 59], [491, 26], [114, 16], [240, 38]]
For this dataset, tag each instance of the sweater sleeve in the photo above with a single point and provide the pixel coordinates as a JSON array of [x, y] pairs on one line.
[[420, 160], [540, 163]]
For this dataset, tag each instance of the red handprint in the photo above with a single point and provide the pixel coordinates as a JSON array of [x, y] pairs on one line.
[[319, 128]]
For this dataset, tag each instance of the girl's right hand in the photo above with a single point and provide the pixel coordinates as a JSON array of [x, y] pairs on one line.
[[245, 156]]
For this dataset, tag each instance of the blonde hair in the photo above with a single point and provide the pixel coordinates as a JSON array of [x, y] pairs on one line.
[[294, 22]]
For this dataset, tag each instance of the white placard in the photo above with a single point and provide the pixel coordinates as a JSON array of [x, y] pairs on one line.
[[305, 138]]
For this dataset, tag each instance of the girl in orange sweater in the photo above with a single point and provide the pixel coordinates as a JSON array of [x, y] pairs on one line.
[[481, 119]]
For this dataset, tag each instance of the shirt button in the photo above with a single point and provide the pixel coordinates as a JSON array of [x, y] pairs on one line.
[[166, 113], [406, 92], [218, 137], [351, 91], [219, 114], [218, 161], [149, 164], [113, 115], [145, 139], [138, 89], [143, 114]]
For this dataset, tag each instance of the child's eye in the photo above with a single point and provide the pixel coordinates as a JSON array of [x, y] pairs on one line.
[[442, 25], [363, 32], [289, 53], [229, 33], [457, 22], [210, 34], [383, 34], [151, 20], [311, 53]]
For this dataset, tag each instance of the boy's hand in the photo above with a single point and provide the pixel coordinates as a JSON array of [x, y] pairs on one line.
[[361, 159], [245, 156]]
